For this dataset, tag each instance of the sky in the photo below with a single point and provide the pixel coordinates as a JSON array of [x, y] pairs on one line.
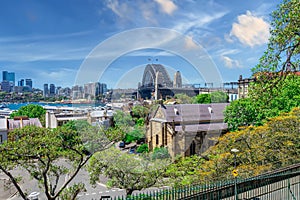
[[68, 42]]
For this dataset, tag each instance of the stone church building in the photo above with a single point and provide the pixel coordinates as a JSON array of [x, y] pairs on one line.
[[186, 129]]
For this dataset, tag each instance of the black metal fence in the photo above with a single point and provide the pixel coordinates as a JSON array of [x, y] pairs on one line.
[[283, 184]]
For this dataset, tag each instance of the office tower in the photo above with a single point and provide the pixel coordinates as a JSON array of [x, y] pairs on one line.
[[21, 82], [9, 76], [4, 75], [52, 90], [5, 86], [28, 82], [46, 90]]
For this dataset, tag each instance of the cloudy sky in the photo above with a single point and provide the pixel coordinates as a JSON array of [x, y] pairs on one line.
[[55, 41]]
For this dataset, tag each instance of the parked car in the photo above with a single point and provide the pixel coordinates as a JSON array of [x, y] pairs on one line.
[[132, 150], [122, 144]]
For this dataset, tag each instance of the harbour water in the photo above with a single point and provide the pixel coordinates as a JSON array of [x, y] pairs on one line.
[[16, 106]]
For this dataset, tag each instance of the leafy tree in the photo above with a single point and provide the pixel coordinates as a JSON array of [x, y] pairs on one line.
[[127, 171], [143, 149], [284, 43], [48, 156], [136, 134], [183, 171], [31, 111], [264, 103], [183, 99], [219, 97], [202, 99], [139, 111], [123, 120], [262, 148], [160, 153], [214, 97], [242, 112]]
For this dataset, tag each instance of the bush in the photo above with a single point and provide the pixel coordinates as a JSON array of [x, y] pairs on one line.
[[143, 149]]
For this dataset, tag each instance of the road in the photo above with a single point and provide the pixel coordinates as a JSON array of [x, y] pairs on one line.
[[30, 185]]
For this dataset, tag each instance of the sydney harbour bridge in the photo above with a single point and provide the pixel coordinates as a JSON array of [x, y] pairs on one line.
[[157, 84]]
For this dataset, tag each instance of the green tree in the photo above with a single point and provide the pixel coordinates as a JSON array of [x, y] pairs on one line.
[[183, 99], [262, 148], [49, 155], [202, 99], [214, 97], [143, 149], [31, 111], [284, 43], [219, 97], [264, 102], [242, 112], [127, 171]]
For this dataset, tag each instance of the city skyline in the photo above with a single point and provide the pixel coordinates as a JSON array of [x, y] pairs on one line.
[[49, 41]]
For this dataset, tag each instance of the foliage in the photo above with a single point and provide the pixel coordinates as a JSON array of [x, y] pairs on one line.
[[123, 121], [31, 111], [71, 192], [136, 134], [143, 149], [183, 99], [284, 43], [49, 155], [219, 97], [242, 112], [127, 171], [263, 103], [183, 170], [214, 97], [160, 153], [77, 125], [202, 99], [139, 111], [262, 148]]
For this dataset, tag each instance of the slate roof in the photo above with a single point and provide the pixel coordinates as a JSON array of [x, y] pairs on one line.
[[194, 117], [192, 112]]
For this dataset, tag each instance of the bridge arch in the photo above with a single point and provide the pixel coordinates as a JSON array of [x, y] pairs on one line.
[[150, 73]]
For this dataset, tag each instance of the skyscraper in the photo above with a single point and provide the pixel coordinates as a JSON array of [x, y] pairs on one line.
[[9, 76], [46, 90], [21, 82], [4, 75], [28, 82], [52, 90]]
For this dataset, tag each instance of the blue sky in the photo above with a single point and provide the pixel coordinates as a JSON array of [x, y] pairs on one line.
[[49, 41]]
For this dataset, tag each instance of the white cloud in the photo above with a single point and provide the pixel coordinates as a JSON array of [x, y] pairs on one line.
[[167, 6], [230, 63], [250, 30], [196, 21], [189, 43], [119, 9]]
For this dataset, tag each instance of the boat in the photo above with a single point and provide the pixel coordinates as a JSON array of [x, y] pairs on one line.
[[3, 106]]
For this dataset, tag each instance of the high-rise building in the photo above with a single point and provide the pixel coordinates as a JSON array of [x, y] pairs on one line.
[[4, 75], [52, 90], [5, 86], [28, 82], [46, 90], [21, 82], [9, 76]]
